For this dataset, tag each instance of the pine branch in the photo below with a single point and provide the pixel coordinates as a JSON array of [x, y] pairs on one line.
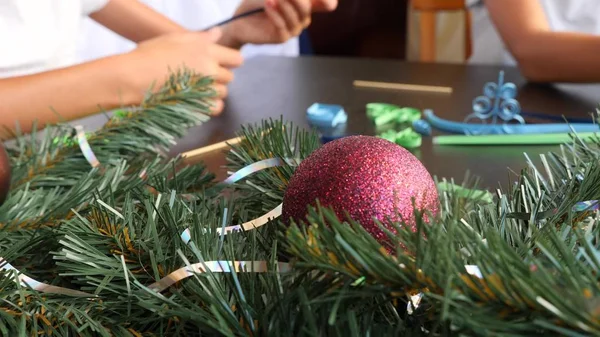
[[271, 139], [135, 135], [60, 203], [98, 269]]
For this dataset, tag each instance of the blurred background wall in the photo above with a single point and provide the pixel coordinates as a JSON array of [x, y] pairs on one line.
[[364, 28]]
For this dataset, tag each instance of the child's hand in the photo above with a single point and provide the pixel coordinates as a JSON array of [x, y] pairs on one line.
[[153, 58], [282, 20], [324, 5]]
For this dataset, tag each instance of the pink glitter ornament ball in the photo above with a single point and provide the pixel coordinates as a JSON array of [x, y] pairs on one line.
[[367, 177]]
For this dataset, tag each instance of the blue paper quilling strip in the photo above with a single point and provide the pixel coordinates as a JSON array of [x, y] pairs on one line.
[[186, 236], [498, 103], [470, 128], [499, 112], [422, 127], [326, 115], [590, 205], [86, 150]]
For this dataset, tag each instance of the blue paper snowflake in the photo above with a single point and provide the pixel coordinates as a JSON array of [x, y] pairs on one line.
[[497, 105]]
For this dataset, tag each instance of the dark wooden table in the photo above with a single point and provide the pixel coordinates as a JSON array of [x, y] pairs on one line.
[[273, 87]]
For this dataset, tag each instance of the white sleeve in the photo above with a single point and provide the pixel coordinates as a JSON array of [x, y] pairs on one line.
[[90, 6]]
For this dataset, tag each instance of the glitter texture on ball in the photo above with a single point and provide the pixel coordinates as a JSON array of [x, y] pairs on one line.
[[366, 177]]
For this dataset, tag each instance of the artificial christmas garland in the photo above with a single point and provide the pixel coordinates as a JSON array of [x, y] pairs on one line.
[[524, 263]]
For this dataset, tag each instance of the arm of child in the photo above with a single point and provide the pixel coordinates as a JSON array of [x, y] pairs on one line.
[[134, 20], [542, 54], [108, 83], [281, 20], [72, 92]]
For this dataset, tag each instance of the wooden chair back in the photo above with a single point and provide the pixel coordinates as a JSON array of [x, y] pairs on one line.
[[427, 25]]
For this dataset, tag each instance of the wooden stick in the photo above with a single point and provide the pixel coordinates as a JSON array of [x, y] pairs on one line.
[[402, 86], [211, 148], [218, 146]]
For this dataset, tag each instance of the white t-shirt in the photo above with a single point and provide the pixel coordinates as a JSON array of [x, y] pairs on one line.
[[97, 41], [581, 16], [40, 35]]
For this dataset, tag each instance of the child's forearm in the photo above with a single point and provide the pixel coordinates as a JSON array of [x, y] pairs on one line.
[[67, 94], [135, 21], [559, 57], [543, 54]]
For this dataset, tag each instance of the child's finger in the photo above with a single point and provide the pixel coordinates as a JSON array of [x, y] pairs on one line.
[[215, 34], [227, 57], [324, 5], [221, 90], [290, 15], [217, 107], [277, 20], [223, 75], [304, 9]]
